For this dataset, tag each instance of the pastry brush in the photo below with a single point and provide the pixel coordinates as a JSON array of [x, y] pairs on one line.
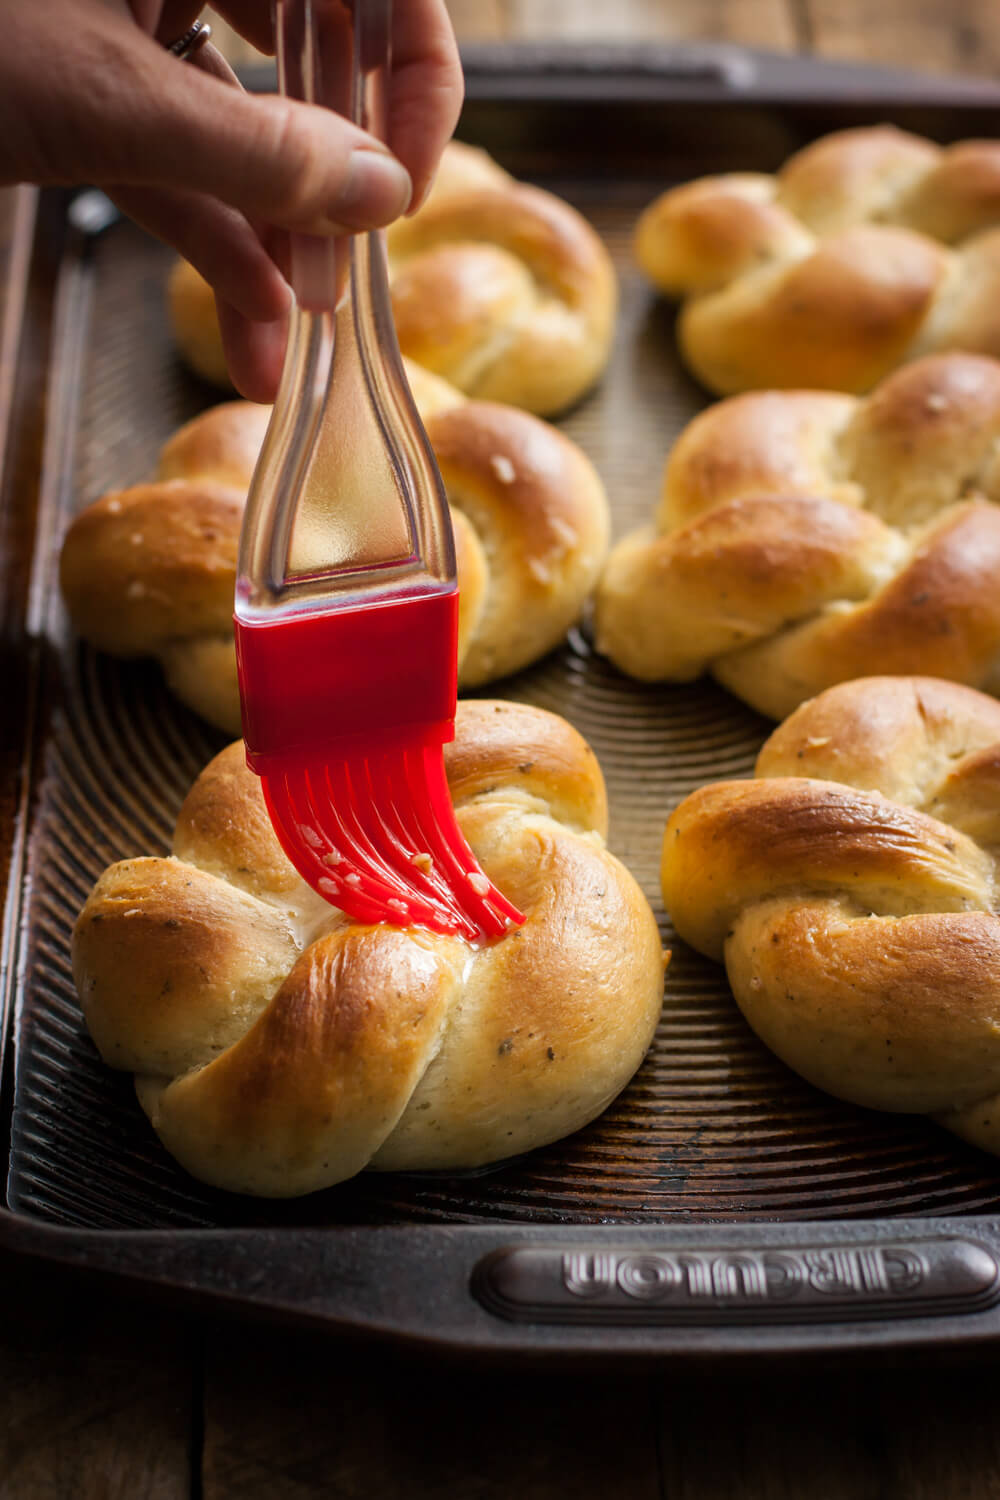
[[346, 611]]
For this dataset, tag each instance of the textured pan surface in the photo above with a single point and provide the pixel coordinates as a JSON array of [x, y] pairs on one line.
[[712, 1126]]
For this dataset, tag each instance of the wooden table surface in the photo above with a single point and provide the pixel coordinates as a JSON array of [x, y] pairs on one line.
[[103, 1397]]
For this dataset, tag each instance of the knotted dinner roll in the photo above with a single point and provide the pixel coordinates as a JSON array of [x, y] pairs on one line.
[[503, 289], [151, 570], [805, 537], [279, 1047], [870, 247], [851, 891]]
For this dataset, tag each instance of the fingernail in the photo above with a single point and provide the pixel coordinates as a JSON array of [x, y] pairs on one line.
[[419, 199], [377, 190]]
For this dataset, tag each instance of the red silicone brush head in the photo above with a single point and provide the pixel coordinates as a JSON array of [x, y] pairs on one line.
[[377, 837], [344, 717]]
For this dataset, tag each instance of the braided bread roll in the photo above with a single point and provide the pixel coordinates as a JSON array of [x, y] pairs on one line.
[[870, 247], [503, 289], [804, 536], [852, 891], [191, 301], [280, 1048], [151, 570]]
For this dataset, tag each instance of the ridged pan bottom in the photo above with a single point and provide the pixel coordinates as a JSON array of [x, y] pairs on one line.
[[711, 1127]]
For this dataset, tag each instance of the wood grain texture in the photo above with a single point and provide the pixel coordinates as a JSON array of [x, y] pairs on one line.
[[480, 20], [97, 1399], [288, 1417], [845, 1435], [759, 23], [961, 37]]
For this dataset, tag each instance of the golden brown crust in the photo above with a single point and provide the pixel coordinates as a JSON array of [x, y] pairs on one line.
[[855, 177], [765, 570], [280, 1048], [220, 444], [537, 505], [245, 850], [152, 564], [959, 195], [859, 930], [838, 319], [764, 443], [892, 1013], [837, 269], [171, 963], [152, 570], [940, 613], [925, 438], [561, 773], [674, 606], [195, 323], [503, 289], [730, 844], [463, 169], [506, 291], [908, 737], [549, 1015], [446, 303], [965, 315], [323, 1075], [701, 235]]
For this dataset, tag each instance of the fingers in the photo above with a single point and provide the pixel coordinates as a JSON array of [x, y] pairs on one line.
[[427, 89], [252, 297], [87, 96], [274, 159], [255, 351], [218, 241], [166, 19], [169, 19], [210, 60], [427, 85], [255, 347], [132, 115]]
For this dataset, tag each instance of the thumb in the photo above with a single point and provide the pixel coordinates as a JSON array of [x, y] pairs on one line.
[[123, 111]]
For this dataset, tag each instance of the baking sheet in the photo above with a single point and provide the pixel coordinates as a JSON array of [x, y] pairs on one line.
[[712, 1128]]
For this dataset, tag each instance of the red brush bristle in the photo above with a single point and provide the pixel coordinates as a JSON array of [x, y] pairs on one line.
[[352, 765], [378, 838]]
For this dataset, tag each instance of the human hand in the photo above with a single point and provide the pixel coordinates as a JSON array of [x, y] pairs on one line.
[[88, 95]]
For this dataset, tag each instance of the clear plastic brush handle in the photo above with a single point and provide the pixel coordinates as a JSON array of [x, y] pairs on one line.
[[346, 505]]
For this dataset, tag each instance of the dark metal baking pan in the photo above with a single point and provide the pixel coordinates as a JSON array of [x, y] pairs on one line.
[[720, 1205]]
